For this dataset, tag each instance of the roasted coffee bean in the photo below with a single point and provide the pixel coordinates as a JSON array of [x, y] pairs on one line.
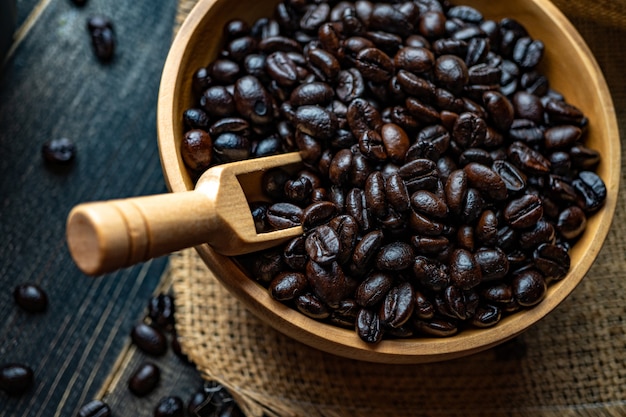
[[591, 191], [350, 85], [15, 379], [396, 193], [526, 131], [430, 273], [528, 106], [315, 93], [236, 28], [209, 400], [273, 183], [395, 256], [356, 206], [239, 48], [469, 130], [374, 65], [225, 71], [465, 272], [252, 100], [372, 146], [501, 111], [329, 282], [217, 101], [527, 159], [60, 151], [375, 194], [230, 147], [315, 121], [529, 288], [197, 150], [486, 230], [318, 214], [294, 254], [284, 215], [161, 311], [398, 305], [170, 406], [486, 180], [451, 73], [542, 232], [298, 190], [493, 263], [363, 116], [368, 326], [436, 327], [282, 69], [149, 339], [420, 174], [102, 37], [396, 142], [527, 53], [456, 188], [561, 112], [310, 305], [422, 112], [288, 285], [366, 249], [486, 315], [95, 408], [513, 178], [30, 297], [196, 119], [347, 230], [572, 222], [429, 204], [498, 292], [322, 245], [476, 155], [552, 260], [145, 379], [373, 289], [523, 212]]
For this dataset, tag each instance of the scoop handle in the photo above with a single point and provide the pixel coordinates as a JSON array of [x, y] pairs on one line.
[[109, 235]]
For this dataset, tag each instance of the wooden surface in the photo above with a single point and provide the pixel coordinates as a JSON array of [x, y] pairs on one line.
[[52, 86]]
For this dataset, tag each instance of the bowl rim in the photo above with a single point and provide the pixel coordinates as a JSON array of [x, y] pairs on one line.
[[344, 342]]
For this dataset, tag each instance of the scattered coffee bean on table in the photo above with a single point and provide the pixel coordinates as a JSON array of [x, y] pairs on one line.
[[145, 379], [444, 180], [31, 298], [102, 37], [149, 339], [170, 406], [95, 408], [15, 378], [59, 151]]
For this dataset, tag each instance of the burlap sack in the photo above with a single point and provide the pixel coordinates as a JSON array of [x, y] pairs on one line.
[[570, 364]]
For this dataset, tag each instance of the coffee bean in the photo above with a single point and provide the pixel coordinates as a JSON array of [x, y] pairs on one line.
[[149, 339], [322, 245], [30, 297], [102, 37], [15, 379], [145, 379], [394, 257], [591, 190], [374, 64], [552, 260], [170, 406], [253, 101], [310, 305], [529, 288], [523, 212], [59, 151], [95, 408], [398, 305], [161, 311], [368, 326], [465, 272], [284, 215]]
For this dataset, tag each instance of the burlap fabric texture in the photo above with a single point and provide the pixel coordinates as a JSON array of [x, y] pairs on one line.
[[572, 363]]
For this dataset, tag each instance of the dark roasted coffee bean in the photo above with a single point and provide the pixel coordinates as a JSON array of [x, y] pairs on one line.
[[102, 37], [486, 180], [486, 315], [375, 194], [145, 379], [451, 73], [429, 204], [217, 101], [366, 249], [395, 256], [541, 232], [346, 228], [465, 272], [437, 327], [15, 379], [486, 230], [225, 71], [572, 222], [238, 48], [363, 116], [552, 260], [498, 292], [529, 288], [396, 142], [288, 285], [30, 297], [197, 150], [266, 265], [196, 119], [396, 193], [149, 339], [514, 179], [368, 326], [59, 151], [591, 190], [284, 215], [373, 289], [322, 245], [208, 400], [456, 190], [430, 244], [356, 206], [422, 112], [527, 159], [527, 53], [170, 406], [329, 282], [398, 305], [414, 60], [298, 190], [318, 213], [500, 110], [528, 106], [310, 305], [230, 147], [430, 273], [281, 68], [236, 28], [315, 121], [161, 311], [374, 65], [314, 17], [420, 174], [252, 100], [493, 263], [273, 183], [523, 212], [294, 253], [476, 155], [560, 112], [561, 137], [469, 130], [432, 24], [95, 408]]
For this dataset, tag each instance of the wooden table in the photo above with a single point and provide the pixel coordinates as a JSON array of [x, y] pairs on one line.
[[52, 86]]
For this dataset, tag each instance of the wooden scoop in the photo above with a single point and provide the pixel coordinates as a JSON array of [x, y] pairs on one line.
[[105, 236]]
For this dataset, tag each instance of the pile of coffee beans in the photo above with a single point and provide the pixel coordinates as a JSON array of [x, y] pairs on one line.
[[444, 180]]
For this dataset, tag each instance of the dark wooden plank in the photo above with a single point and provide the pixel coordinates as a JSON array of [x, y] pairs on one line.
[[52, 87]]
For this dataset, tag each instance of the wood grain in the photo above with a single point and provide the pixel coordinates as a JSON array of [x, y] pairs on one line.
[[52, 87]]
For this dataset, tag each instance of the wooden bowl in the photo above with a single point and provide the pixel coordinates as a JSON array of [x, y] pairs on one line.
[[571, 69]]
